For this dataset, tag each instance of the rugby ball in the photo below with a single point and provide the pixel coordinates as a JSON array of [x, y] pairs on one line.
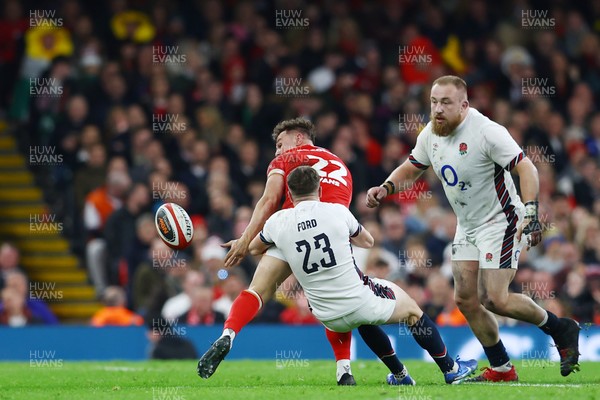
[[174, 226]]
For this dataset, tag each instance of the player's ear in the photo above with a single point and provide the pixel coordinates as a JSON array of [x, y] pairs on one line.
[[320, 192], [465, 104]]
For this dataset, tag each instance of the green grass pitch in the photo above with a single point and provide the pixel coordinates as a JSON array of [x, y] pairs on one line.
[[177, 380]]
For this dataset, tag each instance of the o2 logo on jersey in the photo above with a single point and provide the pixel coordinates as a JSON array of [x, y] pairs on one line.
[[451, 177], [334, 177]]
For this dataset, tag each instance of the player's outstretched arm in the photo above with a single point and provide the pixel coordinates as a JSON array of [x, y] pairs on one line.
[[401, 177], [265, 207], [530, 186], [364, 239], [257, 246]]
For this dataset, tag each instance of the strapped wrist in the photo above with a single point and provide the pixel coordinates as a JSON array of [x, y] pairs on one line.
[[389, 187], [531, 209]]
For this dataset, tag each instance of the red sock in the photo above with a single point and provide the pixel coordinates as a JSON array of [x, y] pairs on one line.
[[340, 343], [243, 310]]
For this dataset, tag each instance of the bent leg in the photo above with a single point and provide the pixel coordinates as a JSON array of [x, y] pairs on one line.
[[496, 298], [379, 343], [269, 273], [423, 329]]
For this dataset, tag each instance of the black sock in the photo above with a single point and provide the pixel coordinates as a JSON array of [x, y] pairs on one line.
[[380, 344], [551, 325], [496, 354], [428, 337]]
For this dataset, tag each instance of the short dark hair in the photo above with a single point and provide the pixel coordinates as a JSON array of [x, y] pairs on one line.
[[296, 124], [303, 181], [458, 82]]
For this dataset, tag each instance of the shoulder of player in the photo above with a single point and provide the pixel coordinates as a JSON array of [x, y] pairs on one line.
[[277, 216], [333, 208], [483, 124]]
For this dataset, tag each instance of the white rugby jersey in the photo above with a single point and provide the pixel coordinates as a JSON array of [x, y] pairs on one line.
[[314, 238], [474, 166]]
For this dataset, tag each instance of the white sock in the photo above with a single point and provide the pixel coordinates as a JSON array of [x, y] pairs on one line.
[[343, 367], [454, 368], [402, 374], [230, 333], [503, 368]]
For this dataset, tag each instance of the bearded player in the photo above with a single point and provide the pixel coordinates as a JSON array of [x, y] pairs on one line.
[[473, 157], [294, 147]]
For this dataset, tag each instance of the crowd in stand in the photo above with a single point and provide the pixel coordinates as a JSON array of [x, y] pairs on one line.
[[176, 101]]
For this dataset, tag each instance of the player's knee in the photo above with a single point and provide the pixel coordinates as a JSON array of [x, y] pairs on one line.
[[466, 304], [414, 312], [494, 303]]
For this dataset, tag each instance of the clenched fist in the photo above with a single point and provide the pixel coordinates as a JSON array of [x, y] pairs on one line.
[[375, 195]]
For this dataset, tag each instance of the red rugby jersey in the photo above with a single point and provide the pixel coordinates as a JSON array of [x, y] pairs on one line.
[[336, 180]]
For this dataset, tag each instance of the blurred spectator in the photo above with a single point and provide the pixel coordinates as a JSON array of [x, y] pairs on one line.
[[115, 312], [157, 278], [181, 303], [9, 261], [15, 312], [34, 297], [200, 311], [100, 203], [120, 232], [12, 28]]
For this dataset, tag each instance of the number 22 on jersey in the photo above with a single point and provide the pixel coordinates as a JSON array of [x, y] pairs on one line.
[[337, 175]]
